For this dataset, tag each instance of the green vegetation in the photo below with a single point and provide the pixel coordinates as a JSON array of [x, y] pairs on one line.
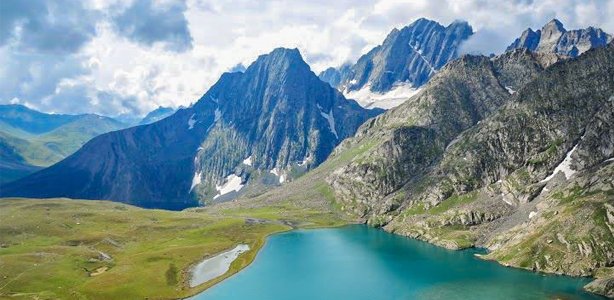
[[88, 249], [557, 242], [50, 147], [451, 202]]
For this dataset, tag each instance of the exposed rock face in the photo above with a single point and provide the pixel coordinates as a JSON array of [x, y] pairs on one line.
[[525, 172], [554, 38], [334, 76], [412, 54], [402, 143], [602, 286], [275, 116], [409, 56]]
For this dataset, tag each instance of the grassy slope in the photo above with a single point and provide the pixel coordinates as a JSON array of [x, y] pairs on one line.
[[48, 248]]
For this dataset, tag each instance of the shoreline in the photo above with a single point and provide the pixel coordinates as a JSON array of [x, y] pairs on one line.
[[261, 242], [249, 256], [478, 256], [246, 260]]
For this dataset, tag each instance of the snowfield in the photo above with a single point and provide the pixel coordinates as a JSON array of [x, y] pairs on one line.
[[233, 183], [393, 98]]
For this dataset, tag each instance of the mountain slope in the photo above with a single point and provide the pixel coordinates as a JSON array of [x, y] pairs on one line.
[[256, 127], [532, 182], [529, 175], [39, 140], [407, 59], [555, 39]]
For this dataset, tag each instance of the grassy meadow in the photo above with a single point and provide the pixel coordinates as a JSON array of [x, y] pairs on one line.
[[85, 249]]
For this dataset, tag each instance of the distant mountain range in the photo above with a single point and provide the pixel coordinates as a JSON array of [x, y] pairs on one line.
[[157, 115], [554, 38], [390, 73], [258, 128], [31, 140]]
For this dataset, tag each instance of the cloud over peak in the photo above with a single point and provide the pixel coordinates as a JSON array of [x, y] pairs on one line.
[[129, 57]]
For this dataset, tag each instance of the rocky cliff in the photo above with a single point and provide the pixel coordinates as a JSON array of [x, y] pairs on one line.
[[408, 57], [554, 38]]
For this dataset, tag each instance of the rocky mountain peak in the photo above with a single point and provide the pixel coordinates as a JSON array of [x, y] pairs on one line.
[[281, 59], [553, 38], [553, 26], [550, 35], [406, 60]]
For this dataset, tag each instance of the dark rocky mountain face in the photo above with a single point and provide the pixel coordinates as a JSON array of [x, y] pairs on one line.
[[410, 55], [258, 127], [333, 76], [555, 39]]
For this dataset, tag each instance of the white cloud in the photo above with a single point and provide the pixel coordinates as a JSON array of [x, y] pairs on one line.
[[114, 73]]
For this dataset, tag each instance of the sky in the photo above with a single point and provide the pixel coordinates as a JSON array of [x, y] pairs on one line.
[[115, 57]]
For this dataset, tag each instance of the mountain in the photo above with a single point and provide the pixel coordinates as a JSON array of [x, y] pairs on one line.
[[157, 115], [256, 128], [334, 76], [15, 116], [391, 72], [554, 38], [31, 140], [512, 153]]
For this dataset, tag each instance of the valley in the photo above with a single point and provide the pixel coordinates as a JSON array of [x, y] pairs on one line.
[[430, 171]]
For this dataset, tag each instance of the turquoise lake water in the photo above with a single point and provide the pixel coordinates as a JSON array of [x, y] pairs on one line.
[[358, 262]]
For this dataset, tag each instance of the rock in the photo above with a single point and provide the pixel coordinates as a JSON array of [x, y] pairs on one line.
[[554, 38], [601, 286], [412, 54]]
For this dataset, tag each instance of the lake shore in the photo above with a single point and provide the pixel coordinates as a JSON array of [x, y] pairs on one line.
[[216, 265], [280, 272]]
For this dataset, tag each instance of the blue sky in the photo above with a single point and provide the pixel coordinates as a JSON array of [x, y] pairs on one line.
[[112, 57]]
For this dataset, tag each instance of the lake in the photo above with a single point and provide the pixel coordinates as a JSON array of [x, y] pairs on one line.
[[359, 262]]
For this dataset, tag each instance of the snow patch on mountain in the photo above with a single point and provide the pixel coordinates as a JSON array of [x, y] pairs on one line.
[[233, 183], [248, 161], [191, 121], [393, 98], [564, 166], [280, 174], [510, 90], [419, 52], [331, 120], [195, 180], [305, 161]]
